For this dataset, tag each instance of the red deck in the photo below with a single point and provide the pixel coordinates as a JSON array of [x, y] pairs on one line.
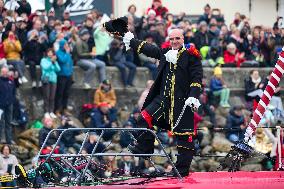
[[207, 180]]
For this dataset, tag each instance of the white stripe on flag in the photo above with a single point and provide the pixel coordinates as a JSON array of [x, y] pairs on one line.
[[262, 104], [267, 94], [272, 86], [253, 122], [258, 113], [279, 68], [281, 58], [275, 77]]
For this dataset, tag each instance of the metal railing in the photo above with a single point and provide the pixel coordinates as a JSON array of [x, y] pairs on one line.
[[89, 157]]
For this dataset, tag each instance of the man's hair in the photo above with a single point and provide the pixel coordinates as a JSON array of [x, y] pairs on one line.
[[179, 29], [131, 7]]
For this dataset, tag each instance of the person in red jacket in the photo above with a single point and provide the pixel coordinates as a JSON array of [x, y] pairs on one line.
[[233, 56], [3, 61], [158, 8]]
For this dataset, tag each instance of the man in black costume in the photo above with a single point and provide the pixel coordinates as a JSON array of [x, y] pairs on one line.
[[178, 84]]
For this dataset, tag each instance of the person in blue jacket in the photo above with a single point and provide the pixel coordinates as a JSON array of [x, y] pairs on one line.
[[49, 68], [219, 88], [64, 80], [7, 98], [104, 117], [236, 124]]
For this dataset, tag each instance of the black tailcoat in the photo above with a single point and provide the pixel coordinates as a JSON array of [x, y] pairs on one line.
[[187, 80]]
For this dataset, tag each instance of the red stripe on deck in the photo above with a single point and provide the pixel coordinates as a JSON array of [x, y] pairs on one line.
[[207, 180]]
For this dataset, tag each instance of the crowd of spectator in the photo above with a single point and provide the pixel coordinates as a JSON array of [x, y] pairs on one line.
[[51, 41]]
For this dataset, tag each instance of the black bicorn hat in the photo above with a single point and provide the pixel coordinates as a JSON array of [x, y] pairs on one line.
[[117, 26]]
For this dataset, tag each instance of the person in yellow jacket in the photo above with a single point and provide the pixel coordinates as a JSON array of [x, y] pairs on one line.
[[105, 93], [12, 49]]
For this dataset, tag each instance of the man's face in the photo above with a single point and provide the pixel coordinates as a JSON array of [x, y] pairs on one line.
[[105, 87], [67, 23], [48, 122], [149, 40], [232, 50], [203, 28], [132, 10], [224, 29], [37, 25], [213, 28], [58, 27], [66, 15], [93, 138], [176, 39], [51, 23], [89, 23], [104, 109], [4, 72], [157, 4], [127, 158], [238, 112], [86, 37], [276, 31], [60, 2]]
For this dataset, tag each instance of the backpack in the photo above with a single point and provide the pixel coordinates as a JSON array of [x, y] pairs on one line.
[[85, 113], [23, 117]]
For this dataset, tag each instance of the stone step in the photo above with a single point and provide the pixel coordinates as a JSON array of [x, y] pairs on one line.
[[234, 77], [126, 97]]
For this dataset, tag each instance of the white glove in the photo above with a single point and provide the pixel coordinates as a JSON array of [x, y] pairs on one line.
[[252, 142], [171, 56], [1, 112], [193, 103], [248, 134], [127, 38]]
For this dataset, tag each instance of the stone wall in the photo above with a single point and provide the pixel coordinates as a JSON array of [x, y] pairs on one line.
[[127, 97]]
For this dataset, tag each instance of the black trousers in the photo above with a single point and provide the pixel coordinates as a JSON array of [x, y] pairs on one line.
[[145, 142], [32, 68], [64, 84], [184, 159], [5, 123]]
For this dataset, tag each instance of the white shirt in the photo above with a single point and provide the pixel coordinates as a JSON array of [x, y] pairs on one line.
[[11, 159]]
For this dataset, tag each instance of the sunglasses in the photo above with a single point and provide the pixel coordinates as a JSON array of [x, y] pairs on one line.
[[175, 38]]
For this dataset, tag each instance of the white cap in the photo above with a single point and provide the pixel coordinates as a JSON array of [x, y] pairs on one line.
[[51, 10], [19, 19], [10, 18], [151, 11], [105, 18]]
